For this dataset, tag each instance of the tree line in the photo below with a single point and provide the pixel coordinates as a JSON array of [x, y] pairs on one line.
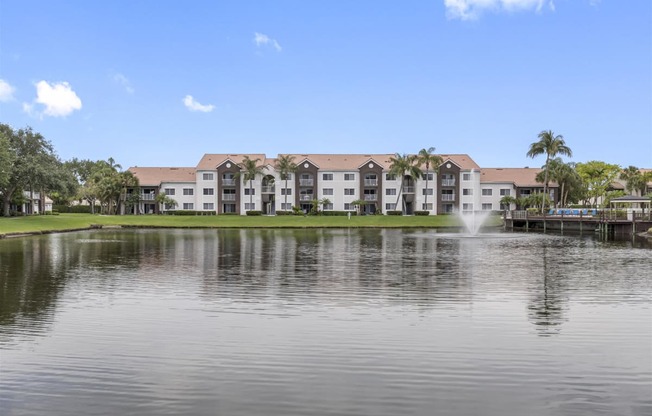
[[29, 164]]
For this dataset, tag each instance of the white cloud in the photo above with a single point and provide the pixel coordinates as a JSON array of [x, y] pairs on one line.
[[58, 98], [120, 79], [472, 9], [261, 39], [6, 91], [193, 105]]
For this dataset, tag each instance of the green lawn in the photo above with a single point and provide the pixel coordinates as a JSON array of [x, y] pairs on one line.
[[62, 222]]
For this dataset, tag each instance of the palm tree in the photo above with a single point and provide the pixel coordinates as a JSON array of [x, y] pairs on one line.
[[358, 203], [426, 157], [285, 166], [249, 169], [403, 165], [551, 145]]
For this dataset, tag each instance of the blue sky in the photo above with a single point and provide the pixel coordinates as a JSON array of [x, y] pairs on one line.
[[160, 83]]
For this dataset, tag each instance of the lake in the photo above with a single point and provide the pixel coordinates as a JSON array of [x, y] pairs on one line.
[[324, 322]]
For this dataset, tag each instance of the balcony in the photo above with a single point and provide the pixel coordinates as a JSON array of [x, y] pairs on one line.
[[371, 182], [408, 189], [306, 197], [228, 182], [306, 182], [147, 197], [268, 189], [448, 197], [228, 197], [371, 197], [448, 182]]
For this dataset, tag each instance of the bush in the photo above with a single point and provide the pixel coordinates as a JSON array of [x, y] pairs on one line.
[[394, 212], [423, 213], [73, 209], [254, 213], [284, 213], [336, 213], [190, 212]]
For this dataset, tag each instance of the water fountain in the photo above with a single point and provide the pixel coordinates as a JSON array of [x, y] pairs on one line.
[[473, 220]]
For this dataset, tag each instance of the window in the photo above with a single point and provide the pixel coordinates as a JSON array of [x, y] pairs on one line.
[[169, 191], [390, 177], [487, 207], [168, 207], [348, 207], [250, 206], [188, 191], [328, 191], [208, 205], [286, 191], [288, 177], [505, 192], [467, 207], [328, 207], [349, 177], [250, 191], [429, 178], [209, 191], [390, 191], [427, 191], [327, 176], [466, 176], [467, 191], [207, 176], [188, 205], [349, 191], [487, 192], [286, 207], [426, 207], [390, 207]]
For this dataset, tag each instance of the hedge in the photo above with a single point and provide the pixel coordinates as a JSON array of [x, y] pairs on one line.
[[254, 213], [394, 212], [74, 209], [190, 212], [422, 213]]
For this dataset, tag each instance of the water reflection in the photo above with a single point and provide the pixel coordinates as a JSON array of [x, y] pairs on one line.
[[323, 322]]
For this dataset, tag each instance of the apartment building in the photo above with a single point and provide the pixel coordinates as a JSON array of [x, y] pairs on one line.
[[348, 182]]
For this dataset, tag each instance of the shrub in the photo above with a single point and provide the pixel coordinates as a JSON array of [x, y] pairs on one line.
[[190, 212], [336, 213], [73, 209], [284, 213], [423, 213], [394, 212], [254, 213]]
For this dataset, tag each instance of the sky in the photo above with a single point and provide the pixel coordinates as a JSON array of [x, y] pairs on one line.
[[160, 83]]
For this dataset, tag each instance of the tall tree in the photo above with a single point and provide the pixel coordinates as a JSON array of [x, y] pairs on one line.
[[429, 159], [597, 177], [285, 166], [636, 181], [25, 153], [551, 145], [401, 166], [249, 169], [565, 176]]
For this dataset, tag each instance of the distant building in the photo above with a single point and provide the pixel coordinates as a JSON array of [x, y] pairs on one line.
[[215, 186]]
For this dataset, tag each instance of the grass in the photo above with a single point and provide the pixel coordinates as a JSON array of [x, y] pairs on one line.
[[65, 222]]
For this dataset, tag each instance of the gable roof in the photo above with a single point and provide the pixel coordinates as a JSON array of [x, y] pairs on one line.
[[153, 176], [210, 161], [464, 161], [521, 177]]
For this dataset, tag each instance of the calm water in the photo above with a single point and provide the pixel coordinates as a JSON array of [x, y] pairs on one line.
[[329, 322]]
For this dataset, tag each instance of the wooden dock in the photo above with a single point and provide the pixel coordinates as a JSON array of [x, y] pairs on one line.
[[606, 222]]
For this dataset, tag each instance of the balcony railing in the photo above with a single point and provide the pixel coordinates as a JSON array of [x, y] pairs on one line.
[[408, 189], [448, 182], [371, 197], [306, 197], [448, 197], [268, 189], [228, 182], [228, 197], [371, 182], [306, 182], [147, 197]]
